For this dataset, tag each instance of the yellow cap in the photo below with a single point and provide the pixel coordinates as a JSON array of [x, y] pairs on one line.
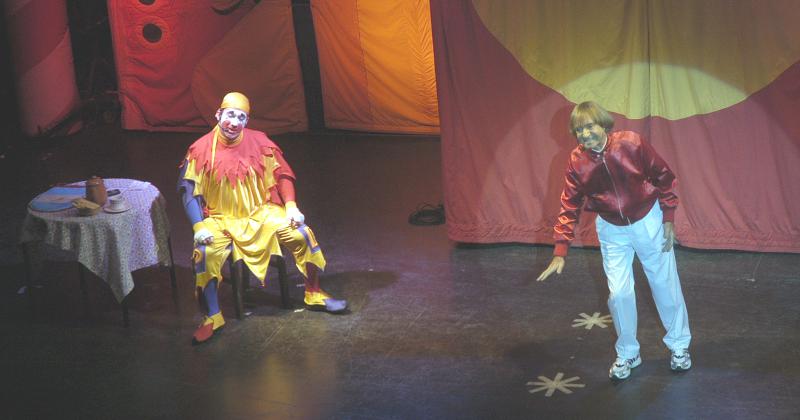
[[236, 100]]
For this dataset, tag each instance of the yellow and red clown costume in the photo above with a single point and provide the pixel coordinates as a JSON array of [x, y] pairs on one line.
[[238, 191]]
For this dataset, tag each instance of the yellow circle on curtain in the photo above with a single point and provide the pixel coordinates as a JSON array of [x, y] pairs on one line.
[[667, 58]]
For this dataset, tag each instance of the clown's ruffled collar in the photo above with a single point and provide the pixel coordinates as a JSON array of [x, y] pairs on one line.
[[215, 154]]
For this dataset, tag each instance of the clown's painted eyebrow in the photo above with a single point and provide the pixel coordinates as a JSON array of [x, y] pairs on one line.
[[242, 116]]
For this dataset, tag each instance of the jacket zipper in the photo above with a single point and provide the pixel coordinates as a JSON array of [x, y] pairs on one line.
[[616, 194]]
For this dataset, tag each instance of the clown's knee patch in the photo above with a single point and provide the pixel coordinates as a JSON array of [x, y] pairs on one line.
[[199, 259], [309, 240], [299, 240], [206, 265]]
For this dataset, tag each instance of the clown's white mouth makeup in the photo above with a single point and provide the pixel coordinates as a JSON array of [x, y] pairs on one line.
[[232, 122]]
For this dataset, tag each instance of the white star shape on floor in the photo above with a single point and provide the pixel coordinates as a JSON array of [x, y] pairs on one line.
[[590, 321], [546, 384]]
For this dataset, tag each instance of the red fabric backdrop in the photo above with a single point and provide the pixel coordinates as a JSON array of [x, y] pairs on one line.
[[505, 147], [177, 58], [41, 57]]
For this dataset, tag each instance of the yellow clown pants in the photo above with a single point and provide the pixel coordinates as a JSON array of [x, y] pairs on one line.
[[254, 239]]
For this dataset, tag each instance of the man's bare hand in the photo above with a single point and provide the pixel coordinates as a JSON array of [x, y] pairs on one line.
[[556, 265], [669, 236]]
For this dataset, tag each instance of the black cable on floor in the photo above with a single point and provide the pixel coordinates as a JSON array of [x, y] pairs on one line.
[[427, 215]]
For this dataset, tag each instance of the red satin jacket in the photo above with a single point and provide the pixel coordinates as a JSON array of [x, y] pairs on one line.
[[620, 184]]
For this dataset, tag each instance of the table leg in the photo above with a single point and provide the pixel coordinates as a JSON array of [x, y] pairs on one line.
[[125, 321], [28, 276], [84, 290]]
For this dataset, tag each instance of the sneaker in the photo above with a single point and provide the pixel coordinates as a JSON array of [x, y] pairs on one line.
[[621, 368], [680, 360]]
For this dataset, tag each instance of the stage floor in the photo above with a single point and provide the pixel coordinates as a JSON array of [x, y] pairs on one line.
[[435, 330]]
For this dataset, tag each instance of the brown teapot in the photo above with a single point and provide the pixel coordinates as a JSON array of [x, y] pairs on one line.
[[96, 190]]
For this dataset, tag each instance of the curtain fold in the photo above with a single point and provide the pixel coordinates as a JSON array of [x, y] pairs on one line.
[[42, 62], [259, 58], [376, 65]]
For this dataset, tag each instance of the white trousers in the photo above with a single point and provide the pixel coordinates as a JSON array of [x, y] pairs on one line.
[[645, 238]]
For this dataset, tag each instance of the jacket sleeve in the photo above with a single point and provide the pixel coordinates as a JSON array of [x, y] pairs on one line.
[[662, 177], [572, 199]]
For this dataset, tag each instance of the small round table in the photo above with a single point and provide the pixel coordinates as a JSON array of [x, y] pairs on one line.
[[110, 245]]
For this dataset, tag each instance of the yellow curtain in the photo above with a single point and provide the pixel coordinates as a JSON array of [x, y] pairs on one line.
[[667, 58], [376, 65]]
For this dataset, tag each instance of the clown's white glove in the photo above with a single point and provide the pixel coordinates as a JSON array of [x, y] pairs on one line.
[[295, 217], [203, 237]]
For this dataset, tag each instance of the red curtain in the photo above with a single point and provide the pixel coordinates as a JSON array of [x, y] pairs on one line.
[[504, 111], [176, 59], [42, 63]]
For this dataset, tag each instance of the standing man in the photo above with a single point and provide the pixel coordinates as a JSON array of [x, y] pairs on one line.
[[620, 177], [238, 192]]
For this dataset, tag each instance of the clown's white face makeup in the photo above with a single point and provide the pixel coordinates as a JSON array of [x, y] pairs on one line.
[[591, 136], [231, 122]]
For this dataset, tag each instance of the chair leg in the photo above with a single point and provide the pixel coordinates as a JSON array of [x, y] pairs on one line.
[[237, 275], [283, 280], [240, 279]]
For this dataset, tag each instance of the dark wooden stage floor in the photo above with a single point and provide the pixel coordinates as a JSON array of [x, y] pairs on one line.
[[436, 330]]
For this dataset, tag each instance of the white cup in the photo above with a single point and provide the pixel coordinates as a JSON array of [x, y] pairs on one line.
[[117, 203]]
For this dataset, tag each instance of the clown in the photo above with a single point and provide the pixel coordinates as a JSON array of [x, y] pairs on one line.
[[238, 192]]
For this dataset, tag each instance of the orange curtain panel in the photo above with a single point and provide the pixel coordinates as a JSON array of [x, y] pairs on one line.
[[713, 85], [176, 59], [376, 64]]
